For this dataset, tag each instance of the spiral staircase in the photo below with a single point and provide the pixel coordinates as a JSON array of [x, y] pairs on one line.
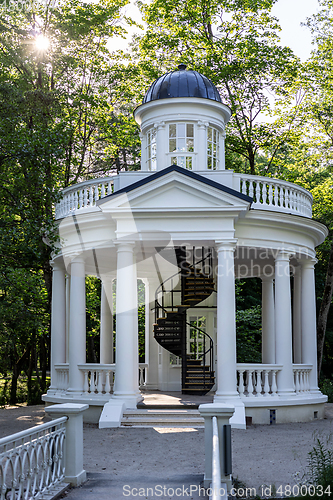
[[187, 288]]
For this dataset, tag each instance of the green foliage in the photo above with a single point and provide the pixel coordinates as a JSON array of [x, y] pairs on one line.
[[321, 471], [248, 328], [326, 387]]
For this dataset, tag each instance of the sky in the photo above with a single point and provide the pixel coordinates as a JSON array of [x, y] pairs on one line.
[[290, 14]]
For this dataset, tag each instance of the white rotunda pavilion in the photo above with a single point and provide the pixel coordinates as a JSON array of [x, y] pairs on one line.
[[187, 227]]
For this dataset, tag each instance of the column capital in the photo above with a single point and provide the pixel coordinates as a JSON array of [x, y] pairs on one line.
[[123, 246], [226, 244], [56, 266], [202, 124], [308, 263], [266, 279], [283, 255], [159, 125]]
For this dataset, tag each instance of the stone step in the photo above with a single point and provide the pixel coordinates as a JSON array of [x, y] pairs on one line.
[[162, 418]]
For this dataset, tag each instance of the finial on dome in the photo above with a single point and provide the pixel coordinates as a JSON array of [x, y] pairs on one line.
[[181, 67]]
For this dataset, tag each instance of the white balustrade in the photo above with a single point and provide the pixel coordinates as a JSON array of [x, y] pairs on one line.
[[276, 195], [257, 380], [302, 379], [83, 196], [143, 374], [98, 378], [62, 376], [32, 462]]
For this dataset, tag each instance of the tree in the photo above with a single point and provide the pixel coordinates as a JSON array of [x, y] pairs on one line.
[[235, 44], [54, 111]]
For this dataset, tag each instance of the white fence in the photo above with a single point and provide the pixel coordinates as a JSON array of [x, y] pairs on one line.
[[260, 380], [83, 195], [98, 378], [267, 194], [276, 195], [32, 461]]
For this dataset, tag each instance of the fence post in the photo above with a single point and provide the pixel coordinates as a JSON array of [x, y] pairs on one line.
[[74, 472], [223, 413]]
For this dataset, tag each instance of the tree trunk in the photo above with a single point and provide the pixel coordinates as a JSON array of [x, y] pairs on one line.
[[13, 388], [324, 310]]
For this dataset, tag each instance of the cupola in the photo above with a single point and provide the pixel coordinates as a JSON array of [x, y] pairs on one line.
[[182, 122]]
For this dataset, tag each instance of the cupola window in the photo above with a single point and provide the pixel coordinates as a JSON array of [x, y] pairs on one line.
[[213, 138], [151, 149], [181, 144]]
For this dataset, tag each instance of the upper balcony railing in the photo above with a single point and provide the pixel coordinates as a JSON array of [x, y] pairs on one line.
[[276, 195], [267, 193]]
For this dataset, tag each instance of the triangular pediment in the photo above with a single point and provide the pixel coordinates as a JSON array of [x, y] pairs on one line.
[[176, 191]]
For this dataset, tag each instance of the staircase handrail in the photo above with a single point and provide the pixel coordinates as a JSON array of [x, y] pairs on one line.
[[209, 350]]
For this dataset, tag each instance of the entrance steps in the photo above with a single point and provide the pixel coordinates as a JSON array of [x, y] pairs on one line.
[[162, 418]]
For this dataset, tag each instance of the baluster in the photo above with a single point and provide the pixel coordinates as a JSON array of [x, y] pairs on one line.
[[109, 187], [81, 198], [287, 198], [282, 191], [266, 383], [103, 190], [67, 204], [275, 195], [85, 192], [307, 374], [107, 383], [270, 194], [96, 194], [274, 385], [76, 201], [251, 188], [99, 375], [86, 382], [91, 196], [258, 192], [71, 201], [258, 384], [93, 381], [241, 383], [243, 186], [140, 376], [301, 381], [264, 193], [297, 385], [250, 382]]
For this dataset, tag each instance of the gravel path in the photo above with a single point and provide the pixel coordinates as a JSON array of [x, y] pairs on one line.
[[262, 454]]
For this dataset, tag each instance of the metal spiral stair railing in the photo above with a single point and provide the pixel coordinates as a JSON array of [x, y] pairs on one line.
[[181, 291]]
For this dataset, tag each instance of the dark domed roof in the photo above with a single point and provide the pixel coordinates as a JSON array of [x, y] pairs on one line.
[[182, 83]]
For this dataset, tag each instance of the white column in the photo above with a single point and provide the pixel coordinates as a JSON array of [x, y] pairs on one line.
[[77, 325], [153, 345], [58, 322], [127, 367], [297, 318], [68, 295], [143, 139], [268, 320], [200, 146], [283, 330], [222, 151], [106, 330], [161, 146], [226, 322], [309, 329]]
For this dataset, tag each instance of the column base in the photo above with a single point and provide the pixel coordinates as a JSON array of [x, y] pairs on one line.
[[73, 393], [237, 421]]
